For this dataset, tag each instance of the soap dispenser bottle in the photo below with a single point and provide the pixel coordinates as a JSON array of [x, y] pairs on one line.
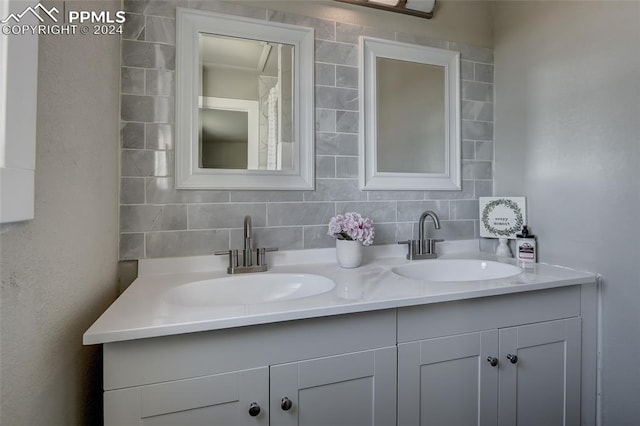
[[526, 246]]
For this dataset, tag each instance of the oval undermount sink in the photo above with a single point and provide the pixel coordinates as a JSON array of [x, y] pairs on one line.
[[250, 289], [456, 270]]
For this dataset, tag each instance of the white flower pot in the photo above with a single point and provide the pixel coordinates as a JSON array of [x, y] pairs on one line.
[[349, 253]]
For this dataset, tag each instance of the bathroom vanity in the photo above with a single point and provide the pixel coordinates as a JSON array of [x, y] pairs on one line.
[[379, 348]]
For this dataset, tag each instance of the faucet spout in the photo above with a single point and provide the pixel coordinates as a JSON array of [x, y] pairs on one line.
[[423, 219], [423, 247]]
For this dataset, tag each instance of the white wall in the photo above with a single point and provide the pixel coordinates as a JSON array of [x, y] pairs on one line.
[[59, 270], [567, 114]]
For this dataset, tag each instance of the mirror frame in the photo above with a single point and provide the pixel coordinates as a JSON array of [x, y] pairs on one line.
[[189, 175], [370, 177]]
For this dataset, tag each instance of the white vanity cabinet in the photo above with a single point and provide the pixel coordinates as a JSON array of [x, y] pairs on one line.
[[426, 364], [476, 362], [323, 371], [356, 389], [443, 381]]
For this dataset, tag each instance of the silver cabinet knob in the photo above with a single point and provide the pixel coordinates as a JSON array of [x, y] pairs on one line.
[[254, 409], [286, 404], [512, 358], [492, 360]]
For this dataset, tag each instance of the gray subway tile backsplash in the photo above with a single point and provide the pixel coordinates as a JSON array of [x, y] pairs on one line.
[[317, 237], [378, 211], [350, 33], [336, 53], [325, 74], [336, 98], [347, 121], [291, 214], [484, 72], [132, 81], [158, 220], [159, 136], [185, 243], [148, 217], [346, 76], [325, 166], [153, 109], [133, 27], [132, 191], [335, 190], [409, 211], [477, 91], [482, 130], [215, 216], [265, 196], [148, 55], [422, 40], [232, 8], [160, 30], [132, 135], [159, 83], [464, 209], [132, 246], [467, 70], [139, 163], [282, 238], [324, 30], [162, 190], [472, 169], [325, 120], [347, 167]]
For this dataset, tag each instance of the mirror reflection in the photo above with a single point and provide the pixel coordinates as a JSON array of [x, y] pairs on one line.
[[245, 104], [410, 117]]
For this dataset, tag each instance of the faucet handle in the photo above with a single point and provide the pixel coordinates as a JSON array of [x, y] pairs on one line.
[[413, 248], [260, 254], [432, 244], [233, 257]]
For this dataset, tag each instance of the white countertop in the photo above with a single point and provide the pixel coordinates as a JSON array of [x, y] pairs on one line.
[[144, 310]]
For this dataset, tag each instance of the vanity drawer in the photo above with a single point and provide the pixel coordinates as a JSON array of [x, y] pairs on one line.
[[161, 359], [470, 315]]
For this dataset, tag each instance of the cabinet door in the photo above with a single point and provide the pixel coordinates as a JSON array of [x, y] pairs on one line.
[[222, 399], [448, 380], [352, 389], [542, 387]]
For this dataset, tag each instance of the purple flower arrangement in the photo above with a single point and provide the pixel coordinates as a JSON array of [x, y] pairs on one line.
[[353, 227]]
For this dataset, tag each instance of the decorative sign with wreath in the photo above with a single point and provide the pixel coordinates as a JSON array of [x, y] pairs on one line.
[[502, 217]]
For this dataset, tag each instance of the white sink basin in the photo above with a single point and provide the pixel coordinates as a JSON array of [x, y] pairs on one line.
[[456, 270], [249, 289]]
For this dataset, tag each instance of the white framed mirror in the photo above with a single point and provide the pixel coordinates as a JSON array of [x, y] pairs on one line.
[[409, 116], [244, 103]]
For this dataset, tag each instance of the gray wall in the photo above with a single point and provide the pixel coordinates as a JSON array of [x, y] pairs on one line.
[[158, 221], [567, 137], [59, 270]]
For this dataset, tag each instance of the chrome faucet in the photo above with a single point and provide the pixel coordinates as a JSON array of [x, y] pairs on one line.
[[423, 248], [247, 254]]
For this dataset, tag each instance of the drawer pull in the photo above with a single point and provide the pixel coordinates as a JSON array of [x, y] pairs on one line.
[[254, 409], [493, 361], [286, 404]]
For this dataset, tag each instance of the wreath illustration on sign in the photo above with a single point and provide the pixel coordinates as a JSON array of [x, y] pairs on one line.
[[517, 226]]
